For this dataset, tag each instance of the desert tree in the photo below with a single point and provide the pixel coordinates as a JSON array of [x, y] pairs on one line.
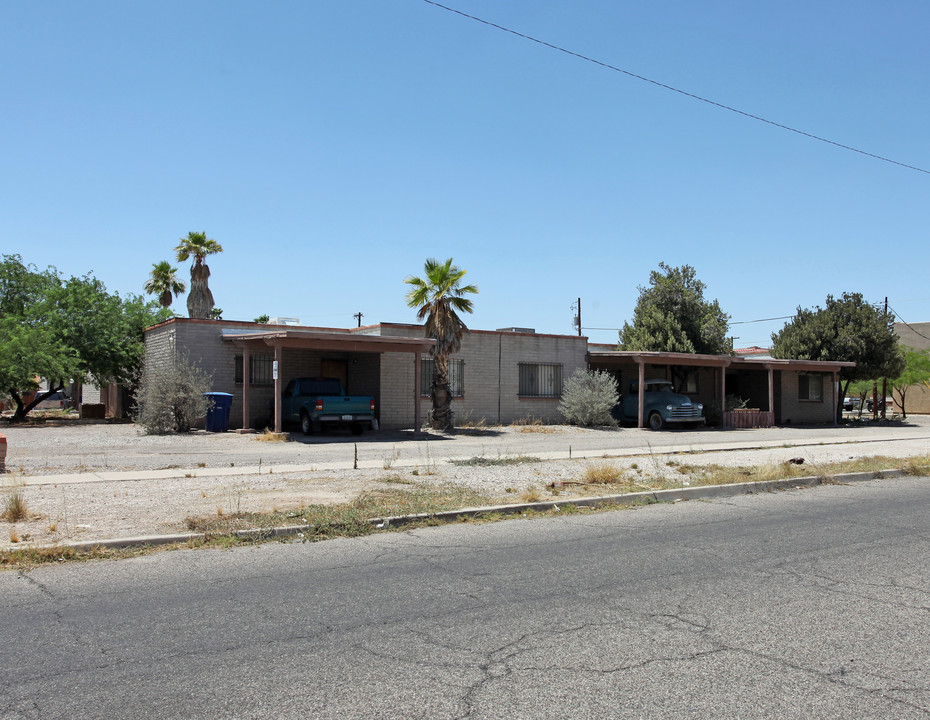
[[163, 282], [198, 246], [438, 297]]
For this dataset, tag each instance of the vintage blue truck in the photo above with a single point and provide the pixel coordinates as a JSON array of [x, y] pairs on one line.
[[661, 405], [320, 402]]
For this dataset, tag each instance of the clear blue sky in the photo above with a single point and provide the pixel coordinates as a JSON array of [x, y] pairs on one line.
[[331, 147]]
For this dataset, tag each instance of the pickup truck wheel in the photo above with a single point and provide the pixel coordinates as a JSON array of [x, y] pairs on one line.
[[306, 425], [655, 421], [357, 428]]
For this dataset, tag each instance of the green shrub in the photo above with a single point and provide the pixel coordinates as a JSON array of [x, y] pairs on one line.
[[588, 397], [170, 396]]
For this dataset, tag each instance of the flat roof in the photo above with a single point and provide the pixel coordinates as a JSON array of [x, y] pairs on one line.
[[762, 363], [323, 340]]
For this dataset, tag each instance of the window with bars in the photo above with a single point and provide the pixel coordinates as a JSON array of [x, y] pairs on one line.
[[810, 387], [542, 380], [259, 369], [456, 376]]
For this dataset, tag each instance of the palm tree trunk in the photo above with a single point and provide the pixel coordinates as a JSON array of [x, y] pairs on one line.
[[200, 299], [443, 417]]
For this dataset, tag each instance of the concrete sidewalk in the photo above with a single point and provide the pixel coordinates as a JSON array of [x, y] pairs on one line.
[[916, 444]]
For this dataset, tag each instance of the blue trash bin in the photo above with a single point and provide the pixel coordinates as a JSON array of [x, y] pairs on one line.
[[218, 415]]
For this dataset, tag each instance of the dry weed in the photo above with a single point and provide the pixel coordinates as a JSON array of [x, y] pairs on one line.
[[602, 473], [15, 507], [269, 435]]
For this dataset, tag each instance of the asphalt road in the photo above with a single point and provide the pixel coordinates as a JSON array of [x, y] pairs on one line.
[[800, 604]]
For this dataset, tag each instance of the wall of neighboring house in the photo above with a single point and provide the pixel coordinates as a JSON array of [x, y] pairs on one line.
[[797, 411], [916, 336], [491, 388]]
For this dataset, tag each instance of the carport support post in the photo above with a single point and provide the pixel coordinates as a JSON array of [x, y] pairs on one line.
[[416, 392], [836, 398], [723, 393], [772, 393], [642, 392], [278, 354], [246, 419]]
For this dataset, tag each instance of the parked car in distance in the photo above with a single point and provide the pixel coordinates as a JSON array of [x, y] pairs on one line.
[[55, 401], [661, 405], [320, 402], [851, 403]]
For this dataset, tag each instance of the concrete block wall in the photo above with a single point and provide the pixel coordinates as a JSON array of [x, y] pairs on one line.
[[492, 377], [795, 411]]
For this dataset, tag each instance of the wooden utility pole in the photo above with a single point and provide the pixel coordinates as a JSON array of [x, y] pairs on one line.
[[358, 316], [884, 380]]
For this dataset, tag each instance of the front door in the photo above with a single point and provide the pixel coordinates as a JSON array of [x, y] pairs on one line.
[[336, 369]]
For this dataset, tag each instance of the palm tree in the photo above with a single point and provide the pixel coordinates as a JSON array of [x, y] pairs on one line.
[[437, 296], [164, 283], [198, 246]]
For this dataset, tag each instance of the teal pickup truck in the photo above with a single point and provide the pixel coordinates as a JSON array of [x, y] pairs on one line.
[[661, 405], [320, 402]]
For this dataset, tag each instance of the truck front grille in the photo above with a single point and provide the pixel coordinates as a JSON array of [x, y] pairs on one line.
[[686, 411]]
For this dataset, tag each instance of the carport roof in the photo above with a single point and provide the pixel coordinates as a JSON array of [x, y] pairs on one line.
[[670, 358], [321, 340]]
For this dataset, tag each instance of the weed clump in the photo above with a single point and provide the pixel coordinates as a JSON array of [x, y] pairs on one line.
[[15, 507], [602, 473]]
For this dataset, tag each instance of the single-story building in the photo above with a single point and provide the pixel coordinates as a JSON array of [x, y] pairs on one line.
[[499, 377], [773, 392]]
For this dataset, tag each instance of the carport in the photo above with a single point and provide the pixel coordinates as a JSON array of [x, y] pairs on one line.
[[721, 365], [280, 340]]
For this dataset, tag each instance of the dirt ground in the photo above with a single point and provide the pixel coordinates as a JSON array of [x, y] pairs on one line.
[[102, 481]]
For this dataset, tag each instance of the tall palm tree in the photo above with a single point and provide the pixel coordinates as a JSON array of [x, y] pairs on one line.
[[164, 283], [437, 296], [198, 246]]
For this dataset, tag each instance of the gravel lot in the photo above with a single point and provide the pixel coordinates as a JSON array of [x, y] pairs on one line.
[[95, 481]]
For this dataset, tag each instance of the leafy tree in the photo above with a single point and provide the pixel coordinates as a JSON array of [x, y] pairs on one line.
[[29, 346], [846, 329], [163, 282], [916, 371], [588, 397], [672, 315], [63, 330], [437, 296], [198, 246], [262, 319]]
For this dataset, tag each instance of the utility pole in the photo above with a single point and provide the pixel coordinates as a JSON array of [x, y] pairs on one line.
[[576, 321], [884, 380], [358, 316]]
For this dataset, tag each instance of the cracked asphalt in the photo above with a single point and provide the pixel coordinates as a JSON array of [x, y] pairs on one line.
[[798, 604]]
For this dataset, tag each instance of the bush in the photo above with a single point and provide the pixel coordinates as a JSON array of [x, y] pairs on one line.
[[588, 397], [169, 396]]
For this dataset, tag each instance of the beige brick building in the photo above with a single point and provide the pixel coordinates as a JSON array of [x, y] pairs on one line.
[[499, 377]]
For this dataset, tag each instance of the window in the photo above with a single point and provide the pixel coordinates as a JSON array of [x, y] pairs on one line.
[[543, 380], [456, 376], [689, 383], [810, 387], [259, 369]]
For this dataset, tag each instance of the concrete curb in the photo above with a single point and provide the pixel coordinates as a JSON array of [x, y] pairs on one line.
[[646, 497]]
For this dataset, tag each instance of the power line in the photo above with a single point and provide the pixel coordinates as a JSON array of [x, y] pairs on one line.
[[674, 89], [746, 322], [911, 327]]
